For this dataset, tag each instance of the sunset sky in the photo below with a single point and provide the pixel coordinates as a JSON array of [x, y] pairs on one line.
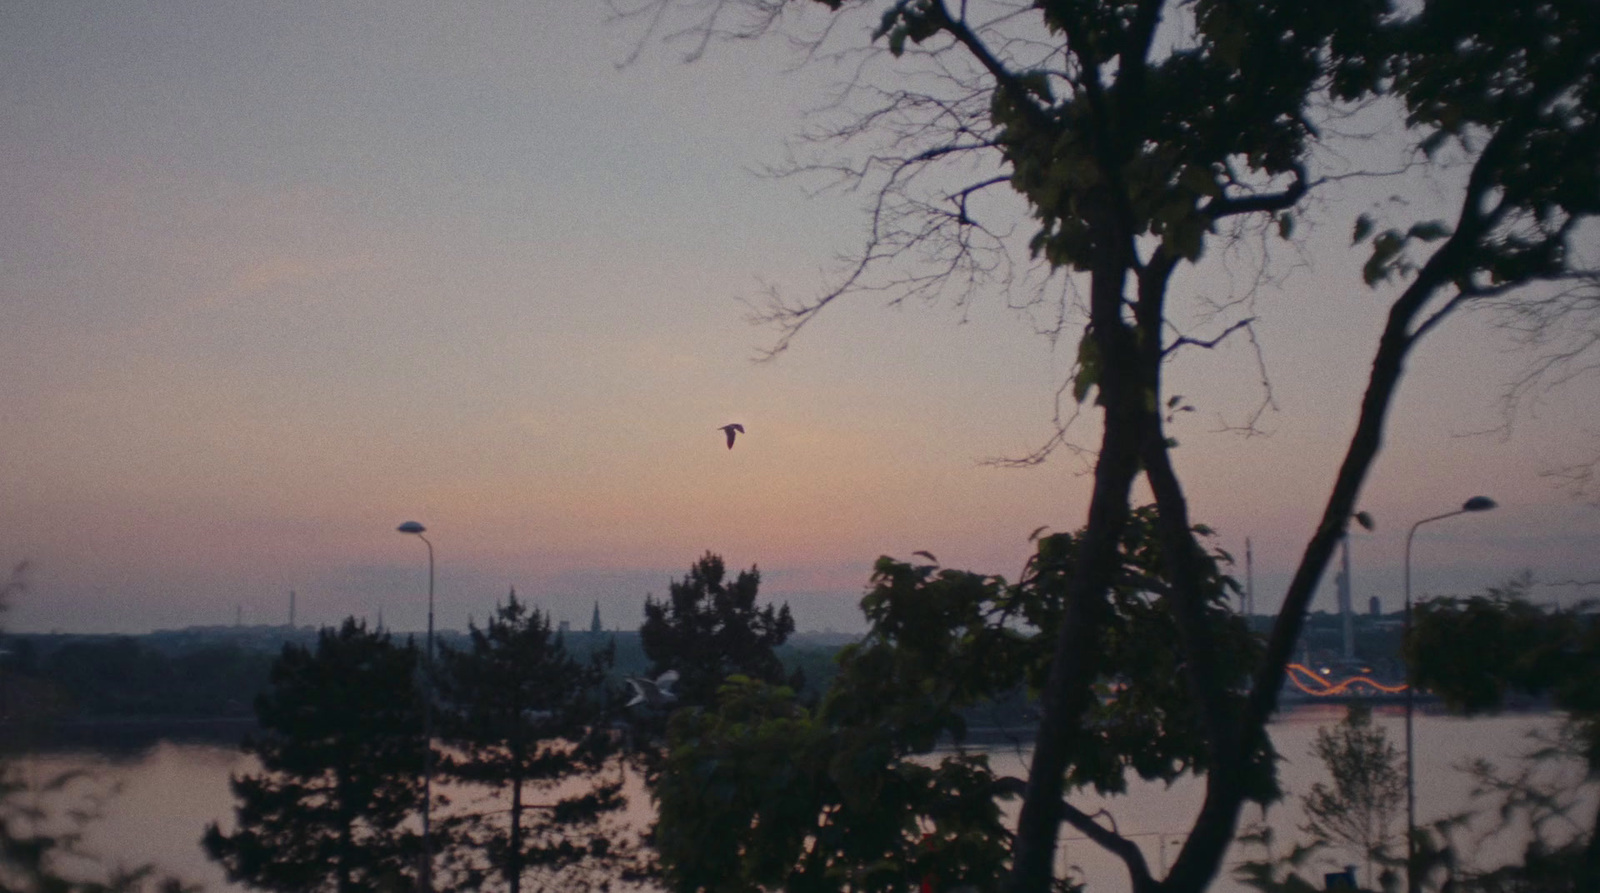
[[276, 277]]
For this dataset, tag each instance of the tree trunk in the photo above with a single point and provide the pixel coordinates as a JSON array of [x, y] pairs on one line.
[[514, 854], [1589, 871], [513, 866], [346, 839], [1068, 689]]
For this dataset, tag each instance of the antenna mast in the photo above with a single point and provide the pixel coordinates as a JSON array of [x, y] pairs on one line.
[[1249, 580]]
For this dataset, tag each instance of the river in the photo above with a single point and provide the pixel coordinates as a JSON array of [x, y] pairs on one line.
[[156, 803]]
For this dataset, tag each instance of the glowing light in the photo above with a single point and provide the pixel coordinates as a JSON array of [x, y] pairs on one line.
[[1310, 682]]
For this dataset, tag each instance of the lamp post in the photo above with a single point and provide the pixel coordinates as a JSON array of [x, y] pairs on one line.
[[425, 880], [1475, 504]]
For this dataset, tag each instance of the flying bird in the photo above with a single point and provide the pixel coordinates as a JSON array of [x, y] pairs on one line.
[[731, 430], [655, 692]]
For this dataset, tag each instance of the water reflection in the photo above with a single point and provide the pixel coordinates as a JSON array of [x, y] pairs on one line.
[[1156, 816], [159, 801], [169, 792]]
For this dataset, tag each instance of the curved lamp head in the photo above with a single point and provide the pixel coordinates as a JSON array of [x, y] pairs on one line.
[[414, 527], [1478, 504]]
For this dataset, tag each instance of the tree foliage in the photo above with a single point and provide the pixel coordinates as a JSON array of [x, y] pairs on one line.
[[41, 851], [121, 676], [1544, 802], [1539, 802], [522, 714], [341, 750], [35, 840], [709, 628], [1138, 132], [1357, 811], [1474, 651], [761, 792]]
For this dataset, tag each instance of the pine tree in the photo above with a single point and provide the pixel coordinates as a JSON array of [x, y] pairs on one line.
[[341, 750], [523, 716], [1147, 137], [709, 628]]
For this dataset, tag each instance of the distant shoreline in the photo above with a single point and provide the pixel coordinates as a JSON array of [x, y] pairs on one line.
[[135, 734], [122, 734]]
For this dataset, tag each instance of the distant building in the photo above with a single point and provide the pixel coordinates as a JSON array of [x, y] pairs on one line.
[[1373, 607], [564, 626], [594, 623]]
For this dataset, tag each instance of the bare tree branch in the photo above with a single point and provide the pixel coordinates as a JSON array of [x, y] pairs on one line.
[[1061, 424], [1207, 343], [1569, 582], [709, 21], [1109, 840], [1579, 476]]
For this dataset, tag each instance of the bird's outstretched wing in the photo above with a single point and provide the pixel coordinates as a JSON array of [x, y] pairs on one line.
[[653, 692], [638, 692], [731, 430]]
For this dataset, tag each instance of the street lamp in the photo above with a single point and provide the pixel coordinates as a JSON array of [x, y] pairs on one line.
[[1475, 504], [426, 879]]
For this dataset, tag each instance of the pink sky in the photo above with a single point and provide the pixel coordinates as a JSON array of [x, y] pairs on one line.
[[275, 280]]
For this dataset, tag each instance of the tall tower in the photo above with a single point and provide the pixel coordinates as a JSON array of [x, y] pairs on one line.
[[1346, 613], [1249, 581], [594, 622]]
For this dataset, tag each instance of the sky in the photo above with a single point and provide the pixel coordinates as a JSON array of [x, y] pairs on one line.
[[277, 278]]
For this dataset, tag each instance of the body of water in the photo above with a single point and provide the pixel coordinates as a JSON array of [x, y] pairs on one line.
[[153, 805]]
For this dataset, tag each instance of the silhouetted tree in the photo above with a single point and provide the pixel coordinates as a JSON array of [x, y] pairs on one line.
[[1139, 133], [862, 793], [1369, 786], [1475, 651], [32, 859], [128, 676], [36, 861], [14, 585], [522, 714], [709, 628], [341, 751], [1538, 808]]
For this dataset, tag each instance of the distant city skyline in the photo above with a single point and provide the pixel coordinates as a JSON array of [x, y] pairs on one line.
[[274, 279]]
